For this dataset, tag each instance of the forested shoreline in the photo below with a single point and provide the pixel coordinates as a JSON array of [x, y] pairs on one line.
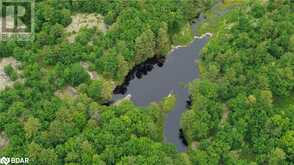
[[242, 108], [53, 115]]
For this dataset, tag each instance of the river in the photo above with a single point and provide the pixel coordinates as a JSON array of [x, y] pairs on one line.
[[165, 75], [157, 78]]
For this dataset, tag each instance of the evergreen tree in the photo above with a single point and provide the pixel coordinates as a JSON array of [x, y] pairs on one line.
[[144, 46], [164, 44]]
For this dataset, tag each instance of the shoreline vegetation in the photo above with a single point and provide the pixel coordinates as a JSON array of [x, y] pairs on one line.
[[245, 89], [215, 15], [78, 129], [186, 38], [241, 109], [187, 31]]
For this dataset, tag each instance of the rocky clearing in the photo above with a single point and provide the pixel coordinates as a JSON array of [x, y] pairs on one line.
[[84, 21], [3, 140], [4, 79]]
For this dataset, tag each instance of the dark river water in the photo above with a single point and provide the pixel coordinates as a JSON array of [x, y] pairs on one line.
[[165, 76], [157, 78]]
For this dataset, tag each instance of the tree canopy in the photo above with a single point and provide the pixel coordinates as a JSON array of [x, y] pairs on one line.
[[79, 129], [240, 113]]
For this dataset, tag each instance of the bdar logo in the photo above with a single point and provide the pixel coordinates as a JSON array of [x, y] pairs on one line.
[[4, 160]]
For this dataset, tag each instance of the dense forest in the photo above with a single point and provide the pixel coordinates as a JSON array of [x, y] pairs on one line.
[[54, 112], [242, 108]]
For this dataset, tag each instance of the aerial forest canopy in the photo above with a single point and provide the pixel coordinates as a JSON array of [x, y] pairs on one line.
[[242, 108], [53, 111], [53, 114]]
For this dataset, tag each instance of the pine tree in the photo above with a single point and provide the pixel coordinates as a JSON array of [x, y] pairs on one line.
[[144, 46], [163, 39]]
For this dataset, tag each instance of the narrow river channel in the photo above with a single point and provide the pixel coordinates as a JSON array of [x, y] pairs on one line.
[[166, 75]]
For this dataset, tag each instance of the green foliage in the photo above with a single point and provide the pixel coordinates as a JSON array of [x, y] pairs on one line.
[[75, 74], [246, 68], [94, 89], [112, 65], [40, 155], [144, 46], [206, 113], [193, 8], [84, 36], [81, 131], [6, 48], [184, 36], [164, 44], [168, 103], [53, 130], [31, 126], [99, 90], [10, 71], [216, 14]]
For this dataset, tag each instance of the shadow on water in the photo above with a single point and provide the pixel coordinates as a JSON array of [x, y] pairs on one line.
[[182, 137], [157, 77], [138, 72]]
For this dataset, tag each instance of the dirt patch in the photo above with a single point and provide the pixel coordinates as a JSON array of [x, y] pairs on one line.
[[93, 75], [4, 141], [224, 116], [4, 79], [236, 153], [67, 92], [127, 97], [194, 145], [85, 21]]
